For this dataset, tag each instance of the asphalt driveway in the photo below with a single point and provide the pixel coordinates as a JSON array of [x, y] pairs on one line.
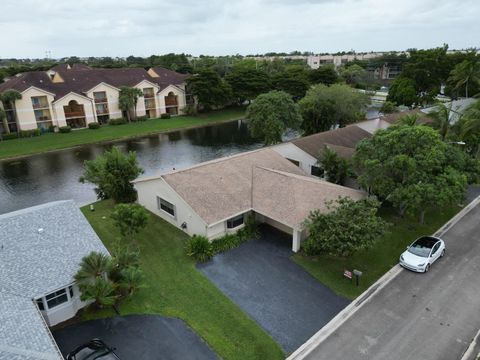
[[139, 337], [284, 299]]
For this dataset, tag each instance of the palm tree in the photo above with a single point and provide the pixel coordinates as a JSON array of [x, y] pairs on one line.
[[127, 100], [465, 73], [123, 258], [132, 280], [102, 291], [92, 267], [441, 119], [409, 119], [9, 97]]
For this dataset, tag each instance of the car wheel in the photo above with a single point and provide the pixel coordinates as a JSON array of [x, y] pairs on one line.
[[427, 267], [443, 253]]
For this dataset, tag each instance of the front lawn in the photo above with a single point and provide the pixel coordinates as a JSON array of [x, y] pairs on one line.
[[51, 141], [376, 261], [177, 289]]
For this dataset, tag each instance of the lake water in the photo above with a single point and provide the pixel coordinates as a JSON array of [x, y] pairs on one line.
[[54, 176]]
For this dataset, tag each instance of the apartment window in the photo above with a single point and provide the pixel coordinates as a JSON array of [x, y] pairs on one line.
[[56, 298], [166, 206], [316, 171], [39, 102], [100, 97], [148, 93], [235, 222]]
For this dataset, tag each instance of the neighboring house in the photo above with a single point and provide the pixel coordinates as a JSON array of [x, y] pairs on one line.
[[457, 108], [40, 251], [78, 95], [305, 151], [214, 198]]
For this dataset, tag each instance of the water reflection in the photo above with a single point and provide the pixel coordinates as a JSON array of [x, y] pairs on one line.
[[54, 176]]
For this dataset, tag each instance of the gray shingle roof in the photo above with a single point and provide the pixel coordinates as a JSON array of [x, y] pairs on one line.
[[33, 263]]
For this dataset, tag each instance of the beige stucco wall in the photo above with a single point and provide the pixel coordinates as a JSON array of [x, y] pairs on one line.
[[88, 107], [141, 100], [25, 111], [147, 196], [178, 91], [112, 99]]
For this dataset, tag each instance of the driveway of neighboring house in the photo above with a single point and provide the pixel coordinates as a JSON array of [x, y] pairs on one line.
[[283, 298], [139, 337]]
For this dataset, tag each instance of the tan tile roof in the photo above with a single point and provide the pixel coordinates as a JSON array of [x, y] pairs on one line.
[[342, 138], [393, 117], [220, 189], [289, 198]]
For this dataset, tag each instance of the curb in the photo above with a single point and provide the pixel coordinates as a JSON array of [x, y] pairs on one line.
[[368, 294], [467, 355]]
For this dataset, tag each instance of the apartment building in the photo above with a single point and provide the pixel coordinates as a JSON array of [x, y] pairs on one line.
[[76, 95]]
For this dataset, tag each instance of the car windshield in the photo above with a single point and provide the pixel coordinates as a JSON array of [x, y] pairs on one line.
[[422, 246]]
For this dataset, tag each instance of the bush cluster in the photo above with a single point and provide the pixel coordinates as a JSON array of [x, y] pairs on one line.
[[9, 136], [141, 118], [119, 121], [199, 248], [94, 125], [65, 129], [165, 116]]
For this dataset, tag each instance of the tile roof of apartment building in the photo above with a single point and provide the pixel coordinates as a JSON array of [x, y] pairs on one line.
[[81, 78], [393, 117], [222, 188], [341, 140], [40, 250]]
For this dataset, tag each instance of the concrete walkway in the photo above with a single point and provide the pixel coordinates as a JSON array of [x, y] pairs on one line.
[[290, 304], [138, 337]]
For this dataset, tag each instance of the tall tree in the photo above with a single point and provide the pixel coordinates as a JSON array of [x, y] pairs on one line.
[[403, 92], [247, 83], [325, 74], [271, 114], [210, 89], [349, 226], [326, 106], [3, 119], [410, 167], [467, 74], [130, 219], [127, 100], [336, 168], [292, 80], [112, 173], [352, 74], [441, 119], [8, 99]]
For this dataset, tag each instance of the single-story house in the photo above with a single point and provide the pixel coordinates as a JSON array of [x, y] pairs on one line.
[[40, 251], [214, 198]]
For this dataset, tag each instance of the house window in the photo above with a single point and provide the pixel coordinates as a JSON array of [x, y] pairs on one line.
[[56, 298], [40, 304], [166, 206], [235, 222], [316, 171]]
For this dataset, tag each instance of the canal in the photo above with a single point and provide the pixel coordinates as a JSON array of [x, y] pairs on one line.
[[54, 176]]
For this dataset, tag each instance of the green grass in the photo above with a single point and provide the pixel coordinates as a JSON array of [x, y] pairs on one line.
[[376, 261], [177, 289], [51, 141]]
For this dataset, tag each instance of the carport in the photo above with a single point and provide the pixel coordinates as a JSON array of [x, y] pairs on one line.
[[284, 200]]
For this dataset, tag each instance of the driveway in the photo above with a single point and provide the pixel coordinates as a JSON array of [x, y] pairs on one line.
[[284, 299], [139, 337], [432, 316]]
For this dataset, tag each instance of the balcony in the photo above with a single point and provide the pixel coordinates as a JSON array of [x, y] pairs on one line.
[[39, 106], [171, 101], [101, 100], [149, 103], [74, 114]]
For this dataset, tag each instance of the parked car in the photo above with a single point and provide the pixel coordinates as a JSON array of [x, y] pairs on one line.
[[94, 349], [422, 253]]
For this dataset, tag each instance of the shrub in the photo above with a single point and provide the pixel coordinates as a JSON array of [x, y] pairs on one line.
[[119, 121], [388, 107], [94, 125], [65, 129], [165, 116], [9, 136], [141, 118], [226, 242], [199, 248], [29, 133], [190, 110], [51, 128]]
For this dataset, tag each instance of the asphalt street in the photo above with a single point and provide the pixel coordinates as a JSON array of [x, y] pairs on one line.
[[432, 316]]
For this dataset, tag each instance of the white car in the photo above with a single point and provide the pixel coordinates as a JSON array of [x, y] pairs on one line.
[[422, 253]]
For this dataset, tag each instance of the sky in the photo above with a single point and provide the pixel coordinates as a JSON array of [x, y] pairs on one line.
[[29, 28]]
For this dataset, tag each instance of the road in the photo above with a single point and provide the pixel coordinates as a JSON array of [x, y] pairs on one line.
[[431, 316]]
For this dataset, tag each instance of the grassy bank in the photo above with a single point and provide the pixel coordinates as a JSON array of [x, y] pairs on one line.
[[376, 261], [176, 288], [50, 141]]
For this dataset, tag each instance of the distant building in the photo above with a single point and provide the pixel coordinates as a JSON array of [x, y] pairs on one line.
[[78, 95]]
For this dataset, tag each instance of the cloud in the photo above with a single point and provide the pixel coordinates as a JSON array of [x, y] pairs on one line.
[[144, 27]]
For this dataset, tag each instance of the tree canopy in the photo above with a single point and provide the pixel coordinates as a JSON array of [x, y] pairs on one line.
[[293, 80], [271, 114], [210, 89], [403, 92], [410, 167], [336, 168], [247, 83], [127, 100], [130, 219], [325, 74], [112, 174], [326, 106], [349, 226]]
